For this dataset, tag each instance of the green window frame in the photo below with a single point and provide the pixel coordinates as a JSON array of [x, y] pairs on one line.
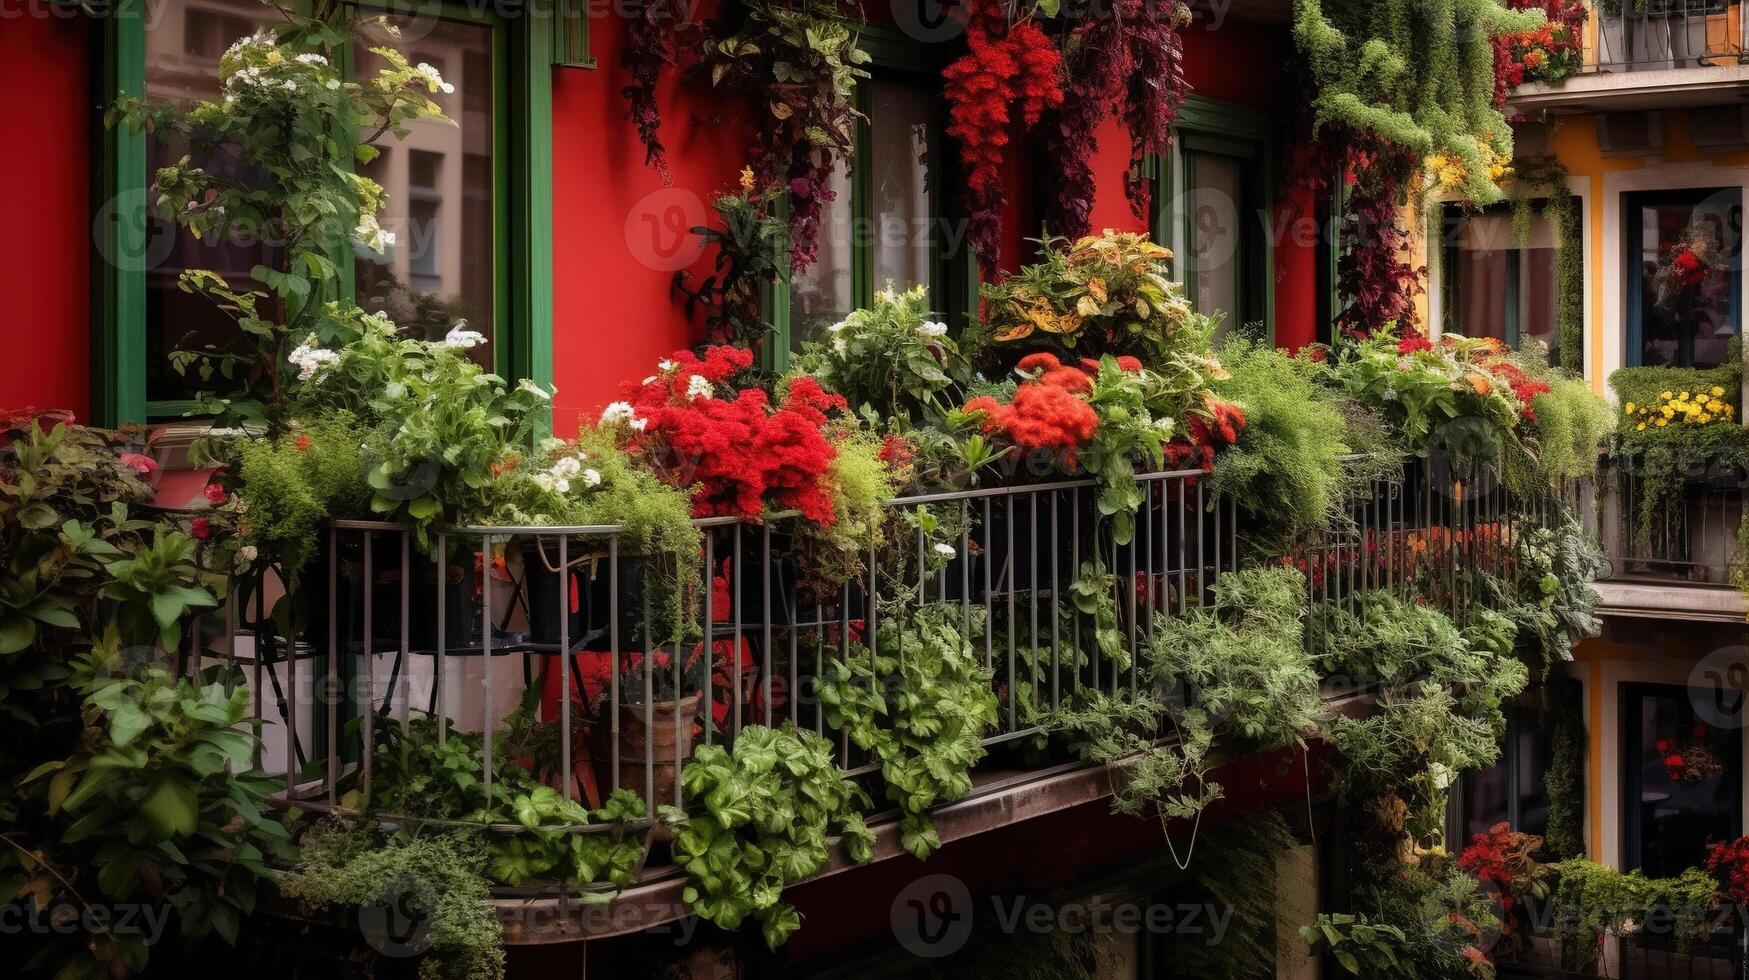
[[953, 278], [525, 49], [1225, 129]]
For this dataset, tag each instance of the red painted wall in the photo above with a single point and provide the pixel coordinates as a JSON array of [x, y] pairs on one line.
[[45, 238]]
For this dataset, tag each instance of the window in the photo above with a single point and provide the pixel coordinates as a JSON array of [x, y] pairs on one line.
[[1212, 207], [1494, 287], [1511, 790], [452, 188], [1683, 273], [883, 224], [1681, 786]]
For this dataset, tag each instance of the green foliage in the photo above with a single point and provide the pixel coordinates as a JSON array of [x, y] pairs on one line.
[[859, 484], [1572, 425], [751, 248], [920, 706], [759, 822], [891, 360], [1236, 868], [1421, 393], [1364, 948], [1130, 432], [437, 878], [1563, 717], [1163, 777], [1591, 899], [1419, 76], [1286, 472], [295, 483], [299, 130], [1664, 459], [417, 775], [1244, 658]]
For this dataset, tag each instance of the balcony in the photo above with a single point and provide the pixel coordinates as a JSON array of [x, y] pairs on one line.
[[1651, 54], [1032, 576], [1652, 547]]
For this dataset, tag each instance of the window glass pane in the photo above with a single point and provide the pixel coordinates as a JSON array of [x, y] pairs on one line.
[[1216, 256], [1683, 781], [1536, 288], [1689, 249], [900, 160], [1484, 799], [182, 58], [440, 194], [1483, 251], [823, 294]]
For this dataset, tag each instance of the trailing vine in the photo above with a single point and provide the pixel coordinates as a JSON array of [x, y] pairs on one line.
[[1560, 207], [1563, 717], [651, 31]]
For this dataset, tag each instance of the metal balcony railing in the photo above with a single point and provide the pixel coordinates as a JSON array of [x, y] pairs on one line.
[[632, 664], [1694, 542], [1647, 35]]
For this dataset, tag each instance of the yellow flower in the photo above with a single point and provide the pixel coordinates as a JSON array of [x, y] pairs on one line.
[[1630, 408], [1640, 428], [1662, 422], [1666, 395], [747, 179], [1684, 396], [1718, 392], [1704, 418]]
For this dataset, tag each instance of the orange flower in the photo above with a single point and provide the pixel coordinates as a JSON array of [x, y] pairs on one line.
[[303, 442]]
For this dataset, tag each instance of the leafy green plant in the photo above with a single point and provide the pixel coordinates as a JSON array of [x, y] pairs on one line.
[[860, 483], [1591, 899], [1128, 434], [919, 705], [751, 247], [892, 360], [1572, 424], [1666, 452], [1364, 948], [295, 483], [759, 820]]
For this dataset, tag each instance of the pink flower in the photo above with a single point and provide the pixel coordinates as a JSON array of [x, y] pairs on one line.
[[214, 493], [201, 528], [143, 465]]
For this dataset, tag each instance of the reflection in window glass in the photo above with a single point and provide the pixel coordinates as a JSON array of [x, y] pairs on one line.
[[439, 185], [1216, 257], [182, 55], [1688, 246], [900, 160], [824, 294], [1683, 780], [1512, 789]]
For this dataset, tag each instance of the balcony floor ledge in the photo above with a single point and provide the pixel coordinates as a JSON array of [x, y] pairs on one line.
[[1646, 600], [1665, 88]]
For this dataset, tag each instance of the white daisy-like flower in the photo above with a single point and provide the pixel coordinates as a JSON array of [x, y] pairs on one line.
[[310, 359], [836, 327], [665, 366], [561, 485], [945, 550], [310, 59], [544, 481], [617, 413], [698, 387], [461, 338], [432, 79], [638, 425], [1165, 425], [566, 467], [533, 389], [932, 328], [592, 478]]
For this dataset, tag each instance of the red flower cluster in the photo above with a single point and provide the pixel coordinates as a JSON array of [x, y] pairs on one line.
[[1687, 268], [1413, 343], [1045, 412], [1692, 762], [1729, 864], [1007, 72], [736, 454], [1523, 386], [1538, 54], [1208, 434]]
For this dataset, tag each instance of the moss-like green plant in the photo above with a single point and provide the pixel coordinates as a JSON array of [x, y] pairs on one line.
[[294, 484], [1563, 717], [1572, 424], [1235, 868], [1591, 899], [438, 878], [1286, 471], [861, 483]]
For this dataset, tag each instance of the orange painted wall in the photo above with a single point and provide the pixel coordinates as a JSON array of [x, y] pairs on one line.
[[45, 238]]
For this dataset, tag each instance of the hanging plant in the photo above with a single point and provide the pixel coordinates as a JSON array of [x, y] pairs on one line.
[[1560, 207], [651, 31], [1420, 81], [803, 60], [1126, 58], [1377, 286], [1010, 71], [749, 254]]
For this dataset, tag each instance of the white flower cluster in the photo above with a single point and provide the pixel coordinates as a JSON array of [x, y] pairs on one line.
[[558, 477], [932, 328], [310, 359], [622, 413], [1166, 425], [698, 387], [262, 38], [432, 79], [372, 235], [945, 550], [461, 338]]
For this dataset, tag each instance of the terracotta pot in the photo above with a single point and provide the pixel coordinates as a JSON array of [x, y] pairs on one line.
[[663, 742]]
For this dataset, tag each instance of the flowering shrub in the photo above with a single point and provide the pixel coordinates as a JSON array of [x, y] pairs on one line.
[[1420, 386], [1550, 52], [891, 360], [1505, 858], [1681, 408], [1045, 414], [735, 451], [292, 120], [1009, 72]]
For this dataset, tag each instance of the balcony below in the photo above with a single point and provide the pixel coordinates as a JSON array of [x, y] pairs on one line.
[[1651, 54]]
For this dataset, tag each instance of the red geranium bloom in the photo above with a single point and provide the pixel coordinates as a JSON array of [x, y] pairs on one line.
[[214, 493], [143, 465], [201, 528]]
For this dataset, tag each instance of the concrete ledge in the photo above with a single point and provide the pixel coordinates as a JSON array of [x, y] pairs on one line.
[[1725, 84], [1644, 600]]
